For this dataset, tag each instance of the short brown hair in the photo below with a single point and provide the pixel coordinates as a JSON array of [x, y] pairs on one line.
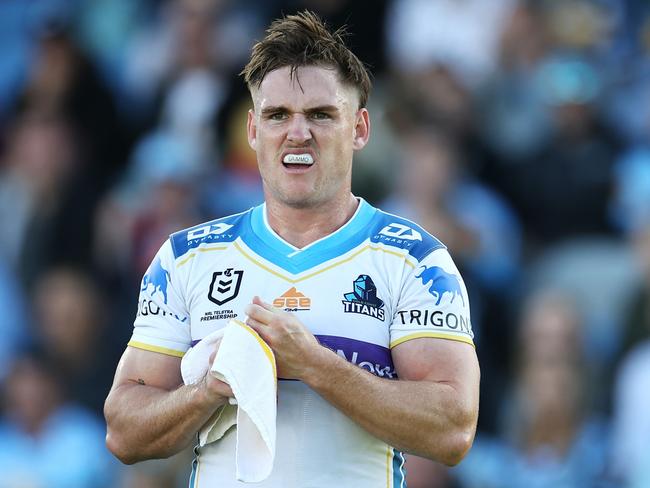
[[304, 39]]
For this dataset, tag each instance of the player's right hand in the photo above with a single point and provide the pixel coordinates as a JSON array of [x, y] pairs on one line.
[[217, 391]]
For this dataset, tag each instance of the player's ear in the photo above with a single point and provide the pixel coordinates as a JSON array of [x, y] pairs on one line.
[[251, 129], [361, 129]]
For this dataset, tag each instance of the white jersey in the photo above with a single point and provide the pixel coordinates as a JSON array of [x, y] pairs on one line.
[[377, 282]]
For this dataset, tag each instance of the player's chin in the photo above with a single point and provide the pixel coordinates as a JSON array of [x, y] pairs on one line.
[[299, 194], [302, 200]]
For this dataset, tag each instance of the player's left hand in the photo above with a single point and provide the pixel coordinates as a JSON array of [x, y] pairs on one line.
[[292, 343]]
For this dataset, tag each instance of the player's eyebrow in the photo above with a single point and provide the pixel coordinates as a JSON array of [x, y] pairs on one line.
[[274, 109], [322, 108], [281, 108]]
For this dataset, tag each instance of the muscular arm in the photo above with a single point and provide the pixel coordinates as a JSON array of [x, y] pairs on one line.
[[149, 413], [430, 411]]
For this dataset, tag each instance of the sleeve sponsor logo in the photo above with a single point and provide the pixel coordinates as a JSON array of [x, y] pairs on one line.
[[363, 299], [292, 301], [225, 285], [371, 357], [157, 277], [441, 283], [147, 308], [436, 318], [442, 286], [401, 231], [208, 231], [381, 370]]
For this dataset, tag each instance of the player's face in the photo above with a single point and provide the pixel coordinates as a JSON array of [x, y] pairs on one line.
[[314, 115]]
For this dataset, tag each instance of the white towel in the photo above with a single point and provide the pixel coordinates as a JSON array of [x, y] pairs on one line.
[[194, 366], [247, 364]]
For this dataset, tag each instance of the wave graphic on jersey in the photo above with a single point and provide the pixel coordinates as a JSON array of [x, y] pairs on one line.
[[156, 276], [441, 283], [363, 299]]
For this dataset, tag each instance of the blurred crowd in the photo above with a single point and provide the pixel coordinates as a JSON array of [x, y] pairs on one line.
[[518, 132]]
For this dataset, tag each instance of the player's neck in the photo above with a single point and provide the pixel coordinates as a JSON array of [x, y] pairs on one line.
[[302, 226]]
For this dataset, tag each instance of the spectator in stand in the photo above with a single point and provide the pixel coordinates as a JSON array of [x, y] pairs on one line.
[[154, 199], [70, 323], [512, 117], [563, 190], [63, 82], [549, 435], [462, 36], [183, 62], [541, 115], [45, 440], [44, 202]]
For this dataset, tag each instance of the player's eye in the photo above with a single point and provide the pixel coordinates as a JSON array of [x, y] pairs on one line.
[[320, 116], [277, 116]]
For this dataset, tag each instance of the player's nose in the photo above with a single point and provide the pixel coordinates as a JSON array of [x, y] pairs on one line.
[[298, 130]]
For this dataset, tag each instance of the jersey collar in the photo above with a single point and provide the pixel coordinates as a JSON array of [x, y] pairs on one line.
[[338, 242]]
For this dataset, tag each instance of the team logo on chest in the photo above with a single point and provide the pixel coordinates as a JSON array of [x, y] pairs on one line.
[[363, 299], [225, 285]]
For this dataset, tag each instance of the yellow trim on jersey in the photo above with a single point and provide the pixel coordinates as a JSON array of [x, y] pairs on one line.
[[435, 335], [286, 278], [389, 463], [265, 347], [201, 249], [322, 270], [162, 350]]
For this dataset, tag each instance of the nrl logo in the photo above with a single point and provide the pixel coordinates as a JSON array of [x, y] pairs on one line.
[[225, 285]]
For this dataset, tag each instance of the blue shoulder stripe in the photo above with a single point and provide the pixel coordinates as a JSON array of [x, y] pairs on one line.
[[392, 230], [225, 229]]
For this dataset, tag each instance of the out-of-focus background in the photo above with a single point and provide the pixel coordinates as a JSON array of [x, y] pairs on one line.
[[518, 132]]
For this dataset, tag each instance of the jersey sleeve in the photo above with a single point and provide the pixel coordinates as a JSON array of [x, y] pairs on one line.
[[433, 303], [162, 322]]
